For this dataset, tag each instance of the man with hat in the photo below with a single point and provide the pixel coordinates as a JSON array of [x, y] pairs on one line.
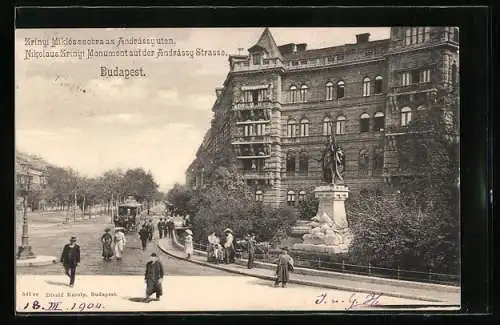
[[251, 250], [144, 235], [150, 230], [70, 258], [154, 277], [107, 242], [161, 227]]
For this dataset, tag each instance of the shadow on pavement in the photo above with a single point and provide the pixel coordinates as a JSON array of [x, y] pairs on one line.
[[262, 282], [64, 284], [138, 299]]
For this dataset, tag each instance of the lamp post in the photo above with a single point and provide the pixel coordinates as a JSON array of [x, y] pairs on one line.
[[24, 251]]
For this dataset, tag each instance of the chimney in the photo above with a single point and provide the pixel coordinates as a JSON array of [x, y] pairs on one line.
[[363, 38]]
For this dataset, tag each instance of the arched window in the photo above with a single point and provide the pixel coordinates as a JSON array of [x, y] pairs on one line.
[[329, 90], [378, 161], [290, 198], [303, 93], [364, 123], [363, 163], [327, 126], [405, 116], [303, 164], [293, 94], [379, 122], [304, 127], [340, 125], [378, 88], [302, 196], [291, 129], [366, 87], [340, 89], [259, 196], [290, 163]]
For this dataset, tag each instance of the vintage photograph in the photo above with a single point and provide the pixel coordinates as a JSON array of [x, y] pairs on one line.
[[237, 169]]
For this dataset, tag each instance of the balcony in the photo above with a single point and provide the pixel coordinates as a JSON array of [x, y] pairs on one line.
[[266, 64], [250, 106], [256, 174], [414, 88], [262, 139], [247, 122]]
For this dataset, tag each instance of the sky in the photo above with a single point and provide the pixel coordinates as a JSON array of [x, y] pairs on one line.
[[69, 114]]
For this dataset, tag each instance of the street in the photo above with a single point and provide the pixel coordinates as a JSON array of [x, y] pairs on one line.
[[48, 236]]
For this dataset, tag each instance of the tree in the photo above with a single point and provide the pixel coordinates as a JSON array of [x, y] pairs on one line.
[[309, 206]]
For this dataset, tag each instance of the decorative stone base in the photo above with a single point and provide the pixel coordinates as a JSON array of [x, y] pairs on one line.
[[321, 248]]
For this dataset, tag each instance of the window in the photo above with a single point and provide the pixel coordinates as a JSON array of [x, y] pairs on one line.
[[453, 78], [339, 57], [331, 59], [303, 164], [340, 125], [290, 163], [293, 94], [425, 75], [415, 77], [378, 161], [302, 196], [260, 128], [364, 123], [452, 34], [363, 162], [327, 126], [405, 116], [378, 85], [248, 130], [257, 58], [416, 35], [303, 94], [405, 79], [379, 122], [368, 52], [262, 95], [258, 196], [366, 87], [304, 128], [329, 90], [247, 96], [290, 198], [291, 128], [340, 89]]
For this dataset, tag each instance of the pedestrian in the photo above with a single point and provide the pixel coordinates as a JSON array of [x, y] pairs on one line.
[[188, 243], [154, 277], [144, 235], [229, 246], [150, 230], [171, 227], [160, 227], [70, 258], [284, 265], [107, 245], [251, 250], [211, 247], [120, 242], [187, 220]]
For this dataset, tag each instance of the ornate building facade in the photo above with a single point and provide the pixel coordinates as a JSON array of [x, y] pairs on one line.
[[279, 104]]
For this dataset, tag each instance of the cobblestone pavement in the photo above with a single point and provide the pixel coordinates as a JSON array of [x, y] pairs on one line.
[[49, 237]]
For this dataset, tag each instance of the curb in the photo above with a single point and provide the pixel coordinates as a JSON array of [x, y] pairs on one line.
[[301, 282]]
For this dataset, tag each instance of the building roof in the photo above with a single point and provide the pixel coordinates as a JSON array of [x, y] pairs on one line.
[[267, 42]]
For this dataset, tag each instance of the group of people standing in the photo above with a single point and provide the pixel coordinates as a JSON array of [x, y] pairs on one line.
[[146, 233], [221, 253], [166, 227], [113, 245]]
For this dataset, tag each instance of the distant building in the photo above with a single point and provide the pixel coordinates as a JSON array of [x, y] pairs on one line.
[[34, 168], [275, 108]]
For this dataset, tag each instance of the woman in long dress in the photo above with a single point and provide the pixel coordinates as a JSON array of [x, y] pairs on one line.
[[107, 243], [284, 265], [188, 243], [120, 242]]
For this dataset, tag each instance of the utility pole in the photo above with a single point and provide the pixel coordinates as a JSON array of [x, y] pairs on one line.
[[24, 251]]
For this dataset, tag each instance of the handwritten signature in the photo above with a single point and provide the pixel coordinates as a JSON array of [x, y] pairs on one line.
[[355, 300]]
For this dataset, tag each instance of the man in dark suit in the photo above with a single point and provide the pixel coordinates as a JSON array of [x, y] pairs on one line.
[[144, 236], [154, 277], [70, 258]]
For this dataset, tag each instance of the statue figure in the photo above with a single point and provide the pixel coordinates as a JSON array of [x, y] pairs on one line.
[[333, 161]]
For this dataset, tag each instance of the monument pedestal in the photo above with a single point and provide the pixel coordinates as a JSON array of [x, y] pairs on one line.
[[330, 232]]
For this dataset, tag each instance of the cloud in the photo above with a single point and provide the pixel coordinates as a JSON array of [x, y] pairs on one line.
[[120, 118]]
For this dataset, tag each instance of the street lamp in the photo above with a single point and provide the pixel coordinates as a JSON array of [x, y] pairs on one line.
[[24, 251]]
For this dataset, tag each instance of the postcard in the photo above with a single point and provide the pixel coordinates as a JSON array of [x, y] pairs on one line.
[[237, 169]]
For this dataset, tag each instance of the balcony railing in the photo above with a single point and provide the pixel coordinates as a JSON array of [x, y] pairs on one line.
[[251, 139], [414, 87], [253, 155], [252, 106], [253, 121], [256, 174], [266, 64]]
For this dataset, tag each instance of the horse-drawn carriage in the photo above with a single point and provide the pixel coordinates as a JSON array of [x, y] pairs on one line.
[[128, 214]]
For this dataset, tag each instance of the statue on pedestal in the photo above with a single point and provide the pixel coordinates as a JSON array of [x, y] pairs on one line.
[[333, 161]]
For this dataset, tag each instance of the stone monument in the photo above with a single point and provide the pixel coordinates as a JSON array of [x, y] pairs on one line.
[[328, 231]]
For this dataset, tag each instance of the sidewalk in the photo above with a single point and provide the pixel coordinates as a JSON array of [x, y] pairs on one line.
[[338, 283]]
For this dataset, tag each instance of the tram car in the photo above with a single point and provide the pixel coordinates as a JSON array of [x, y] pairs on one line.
[[129, 214]]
